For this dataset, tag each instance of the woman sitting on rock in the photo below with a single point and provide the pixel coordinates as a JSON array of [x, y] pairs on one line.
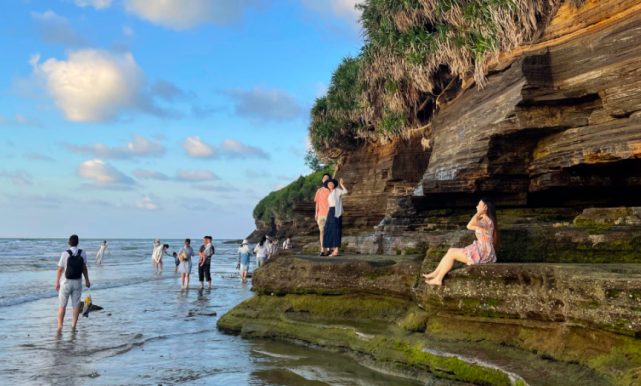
[[334, 225], [482, 251]]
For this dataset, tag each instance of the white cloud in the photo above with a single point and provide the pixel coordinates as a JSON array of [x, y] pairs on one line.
[[105, 176], [18, 120], [138, 147], [128, 31], [54, 29], [175, 14], [149, 175], [21, 119], [198, 204], [195, 175], [288, 178], [167, 91], [236, 149], [261, 105], [255, 174], [196, 148], [97, 4], [30, 200], [38, 157], [228, 149], [215, 187], [147, 204], [97, 86], [340, 9], [19, 177]]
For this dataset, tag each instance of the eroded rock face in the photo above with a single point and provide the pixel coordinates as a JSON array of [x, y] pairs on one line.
[[554, 133], [322, 275]]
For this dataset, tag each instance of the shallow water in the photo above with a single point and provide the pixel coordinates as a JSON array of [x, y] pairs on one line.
[[150, 332]]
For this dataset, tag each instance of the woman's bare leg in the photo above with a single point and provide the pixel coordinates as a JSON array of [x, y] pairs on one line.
[[182, 280], [435, 272], [187, 285], [160, 263], [446, 265]]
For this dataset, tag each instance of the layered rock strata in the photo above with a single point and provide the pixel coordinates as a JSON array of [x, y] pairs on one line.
[[553, 136], [501, 324]]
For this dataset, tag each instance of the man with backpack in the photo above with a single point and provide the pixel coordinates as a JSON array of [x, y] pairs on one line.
[[71, 267]]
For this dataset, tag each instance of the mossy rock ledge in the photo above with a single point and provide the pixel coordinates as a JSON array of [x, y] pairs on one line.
[[497, 324]]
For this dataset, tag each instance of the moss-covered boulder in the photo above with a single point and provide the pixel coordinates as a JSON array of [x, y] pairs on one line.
[[603, 296], [384, 275]]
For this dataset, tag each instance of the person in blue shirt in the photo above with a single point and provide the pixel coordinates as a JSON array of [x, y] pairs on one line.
[[243, 260]]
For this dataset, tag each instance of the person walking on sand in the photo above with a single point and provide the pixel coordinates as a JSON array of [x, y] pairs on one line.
[[243, 260], [482, 251], [262, 252], [334, 225], [185, 254], [71, 267], [204, 265], [322, 208], [100, 252]]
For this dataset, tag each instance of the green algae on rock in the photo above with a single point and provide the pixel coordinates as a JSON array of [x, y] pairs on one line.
[[497, 324]]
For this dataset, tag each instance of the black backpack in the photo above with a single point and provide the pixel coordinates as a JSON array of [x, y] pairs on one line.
[[73, 270]]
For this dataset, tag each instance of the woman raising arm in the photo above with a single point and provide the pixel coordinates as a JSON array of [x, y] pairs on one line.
[[482, 251]]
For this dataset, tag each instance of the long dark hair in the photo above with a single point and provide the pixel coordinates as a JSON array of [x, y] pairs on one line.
[[262, 241], [491, 213]]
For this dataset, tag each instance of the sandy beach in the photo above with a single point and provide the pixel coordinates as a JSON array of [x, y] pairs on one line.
[[150, 332]]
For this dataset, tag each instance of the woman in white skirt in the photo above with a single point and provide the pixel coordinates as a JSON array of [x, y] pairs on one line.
[[100, 252]]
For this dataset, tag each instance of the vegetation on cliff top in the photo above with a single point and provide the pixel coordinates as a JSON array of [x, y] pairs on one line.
[[415, 51], [280, 204]]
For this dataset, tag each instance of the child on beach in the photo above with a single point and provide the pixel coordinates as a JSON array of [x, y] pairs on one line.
[[243, 260], [71, 267], [176, 261]]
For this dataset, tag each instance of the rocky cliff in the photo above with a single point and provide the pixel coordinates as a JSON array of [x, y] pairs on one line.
[[552, 132], [553, 136]]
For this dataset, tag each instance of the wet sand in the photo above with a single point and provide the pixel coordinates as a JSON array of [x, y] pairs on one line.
[[150, 332]]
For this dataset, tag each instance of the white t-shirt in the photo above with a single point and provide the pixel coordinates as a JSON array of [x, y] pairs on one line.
[[262, 251], [334, 199], [63, 262]]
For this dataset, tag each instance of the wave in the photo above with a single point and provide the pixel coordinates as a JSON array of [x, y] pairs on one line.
[[52, 294]]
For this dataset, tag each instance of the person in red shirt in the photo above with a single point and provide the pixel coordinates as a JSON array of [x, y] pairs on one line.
[[322, 208]]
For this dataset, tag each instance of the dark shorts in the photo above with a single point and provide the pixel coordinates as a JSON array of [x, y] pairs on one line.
[[204, 271], [177, 262]]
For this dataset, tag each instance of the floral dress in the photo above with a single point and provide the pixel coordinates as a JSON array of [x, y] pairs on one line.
[[482, 251]]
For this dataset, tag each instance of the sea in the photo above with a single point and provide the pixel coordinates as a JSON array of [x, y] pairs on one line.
[[150, 331]]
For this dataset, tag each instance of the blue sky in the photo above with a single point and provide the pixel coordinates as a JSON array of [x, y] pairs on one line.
[[158, 118]]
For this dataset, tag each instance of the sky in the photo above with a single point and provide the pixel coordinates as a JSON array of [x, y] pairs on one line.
[[158, 118]]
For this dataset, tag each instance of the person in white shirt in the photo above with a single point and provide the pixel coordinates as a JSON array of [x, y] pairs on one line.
[[263, 251], [100, 252], [71, 267], [334, 225], [287, 244]]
